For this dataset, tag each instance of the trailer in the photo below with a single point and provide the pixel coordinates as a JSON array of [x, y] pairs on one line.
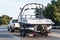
[[32, 23]]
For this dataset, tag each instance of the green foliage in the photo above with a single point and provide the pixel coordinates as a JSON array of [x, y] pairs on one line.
[[0, 20], [52, 11], [4, 20], [49, 11], [38, 12]]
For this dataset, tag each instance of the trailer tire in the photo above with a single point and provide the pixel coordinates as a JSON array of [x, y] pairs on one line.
[[23, 33], [46, 34]]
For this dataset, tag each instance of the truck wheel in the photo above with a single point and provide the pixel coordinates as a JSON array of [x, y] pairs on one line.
[[12, 30], [8, 29]]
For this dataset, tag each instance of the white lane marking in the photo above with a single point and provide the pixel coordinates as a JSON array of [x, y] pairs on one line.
[[14, 36]]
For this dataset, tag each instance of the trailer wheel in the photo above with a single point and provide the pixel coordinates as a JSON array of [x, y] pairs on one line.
[[23, 33], [46, 34]]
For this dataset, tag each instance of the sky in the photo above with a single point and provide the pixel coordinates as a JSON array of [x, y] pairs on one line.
[[12, 7]]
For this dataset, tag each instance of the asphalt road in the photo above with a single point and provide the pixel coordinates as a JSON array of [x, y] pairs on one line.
[[54, 35], [5, 35]]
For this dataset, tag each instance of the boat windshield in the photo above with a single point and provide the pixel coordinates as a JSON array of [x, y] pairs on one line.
[[31, 14], [29, 11]]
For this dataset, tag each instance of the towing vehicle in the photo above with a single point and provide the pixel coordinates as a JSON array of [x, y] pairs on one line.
[[13, 25], [32, 23]]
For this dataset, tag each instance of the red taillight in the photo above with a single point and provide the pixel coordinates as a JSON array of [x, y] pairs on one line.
[[14, 24]]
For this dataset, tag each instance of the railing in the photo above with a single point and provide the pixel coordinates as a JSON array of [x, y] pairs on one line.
[[32, 16], [56, 27]]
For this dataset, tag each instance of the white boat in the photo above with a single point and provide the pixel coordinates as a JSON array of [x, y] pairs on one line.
[[28, 19]]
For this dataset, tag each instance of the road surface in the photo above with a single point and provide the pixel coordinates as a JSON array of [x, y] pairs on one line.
[[5, 35]]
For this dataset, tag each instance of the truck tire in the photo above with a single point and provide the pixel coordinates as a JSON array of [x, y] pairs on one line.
[[12, 30], [8, 29]]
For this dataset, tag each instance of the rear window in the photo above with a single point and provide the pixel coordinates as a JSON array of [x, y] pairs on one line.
[[14, 21]]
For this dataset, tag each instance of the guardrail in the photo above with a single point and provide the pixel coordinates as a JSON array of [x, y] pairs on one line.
[[56, 27]]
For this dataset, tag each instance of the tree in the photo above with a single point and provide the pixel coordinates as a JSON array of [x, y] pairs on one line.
[[0, 20], [57, 12], [48, 13], [5, 19], [52, 11], [38, 12]]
